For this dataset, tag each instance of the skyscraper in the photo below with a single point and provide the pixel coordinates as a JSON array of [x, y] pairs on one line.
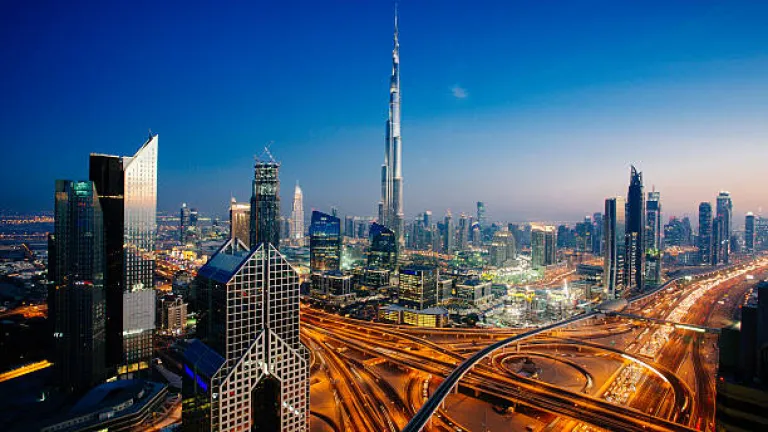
[[450, 233], [240, 221], [481, 215], [597, 234], [324, 242], [463, 242], [265, 203], [418, 287], [76, 301], [724, 216], [635, 234], [543, 246], [653, 221], [297, 217], [253, 371], [383, 251], [614, 247], [127, 189], [184, 216], [391, 204], [704, 240], [749, 232]]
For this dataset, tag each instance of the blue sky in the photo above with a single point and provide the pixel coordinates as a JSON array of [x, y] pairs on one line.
[[536, 108]]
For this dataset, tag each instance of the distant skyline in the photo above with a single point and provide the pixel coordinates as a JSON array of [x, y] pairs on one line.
[[536, 111]]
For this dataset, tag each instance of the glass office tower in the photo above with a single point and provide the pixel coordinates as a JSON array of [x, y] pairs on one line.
[[704, 239], [76, 269], [127, 188], [614, 247], [265, 204], [251, 320], [383, 250], [324, 242]]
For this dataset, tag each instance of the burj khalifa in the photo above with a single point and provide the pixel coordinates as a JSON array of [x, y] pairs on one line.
[[391, 204]]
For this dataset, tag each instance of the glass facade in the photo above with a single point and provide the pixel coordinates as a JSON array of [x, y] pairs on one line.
[[128, 193], [76, 299], [614, 247], [383, 251], [324, 242], [418, 287], [251, 319], [265, 204]]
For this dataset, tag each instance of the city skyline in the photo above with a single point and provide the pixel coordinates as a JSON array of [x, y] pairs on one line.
[[669, 85]]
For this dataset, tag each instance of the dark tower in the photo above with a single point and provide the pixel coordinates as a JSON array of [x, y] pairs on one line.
[[265, 203], [76, 297], [704, 240], [324, 242], [635, 235]]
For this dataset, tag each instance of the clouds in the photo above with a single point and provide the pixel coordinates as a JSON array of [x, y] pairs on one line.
[[459, 92]]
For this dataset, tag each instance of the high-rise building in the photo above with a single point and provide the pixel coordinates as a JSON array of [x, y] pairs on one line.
[[635, 234], [391, 205], [463, 242], [749, 233], [450, 234], [184, 216], [349, 227], [418, 287], [725, 216], [297, 217], [76, 300], [240, 221], [127, 189], [597, 234], [252, 372], [543, 246], [324, 242], [614, 247], [704, 240], [503, 248], [265, 203], [481, 222], [653, 221], [383, 250]]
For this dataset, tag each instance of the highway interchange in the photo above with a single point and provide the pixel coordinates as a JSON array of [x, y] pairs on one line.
[[599, 372]]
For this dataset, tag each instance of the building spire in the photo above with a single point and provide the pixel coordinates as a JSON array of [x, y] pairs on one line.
[[396, 29]]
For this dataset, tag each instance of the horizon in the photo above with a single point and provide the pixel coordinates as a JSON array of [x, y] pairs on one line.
[[682, 88]]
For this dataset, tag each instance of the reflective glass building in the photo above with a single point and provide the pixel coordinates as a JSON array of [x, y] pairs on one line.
[[76, 269], [127, 189], [324, 242], [265, 204], [259, 379], [614, 250], [704, 239], [418, 287], [383, 250]]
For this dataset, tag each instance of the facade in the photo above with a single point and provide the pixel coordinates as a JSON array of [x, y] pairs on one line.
[[653, 221], [333, 287], [240, 222], [597, 234], [481, 215], [503, 248], [614, 251], [704, 240], [184, 223], [463, 237], [635, 233], [749, 233], [251, 321], [297, 217], [383, 251], [543, 246], [76, 300], [391, 205], [173, 314], [474, 292], [324, 242], [449, 244], [724, 217], [418, 289], [265, 204], [127, 189]]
